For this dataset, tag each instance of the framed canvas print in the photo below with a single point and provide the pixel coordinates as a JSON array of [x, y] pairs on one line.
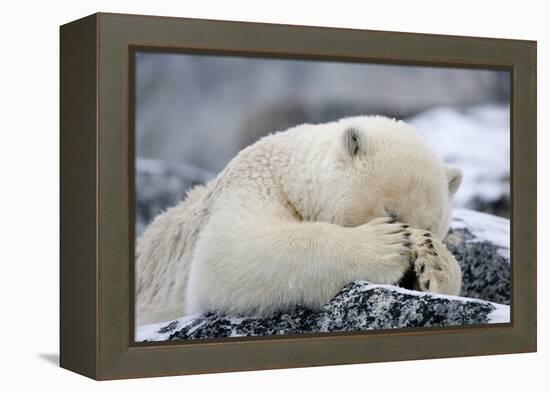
[[241, 196]]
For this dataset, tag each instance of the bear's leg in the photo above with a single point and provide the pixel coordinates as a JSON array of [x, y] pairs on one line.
[[262, 265], [435, 267]]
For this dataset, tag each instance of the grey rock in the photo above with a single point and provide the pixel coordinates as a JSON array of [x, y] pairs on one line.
[[161, 185], [359, 306], [485, 264]]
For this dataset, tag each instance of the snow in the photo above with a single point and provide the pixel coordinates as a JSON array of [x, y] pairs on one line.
[[485, 227], [150, 332], [501, 310], [476, 140], [500, 315]]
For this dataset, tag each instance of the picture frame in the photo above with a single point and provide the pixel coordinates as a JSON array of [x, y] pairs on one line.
[[97, 197]]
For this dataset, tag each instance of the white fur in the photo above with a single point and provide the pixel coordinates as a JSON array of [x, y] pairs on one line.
[[295, 217]]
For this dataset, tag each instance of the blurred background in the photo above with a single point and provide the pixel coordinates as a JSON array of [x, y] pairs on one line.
[[196, 112]]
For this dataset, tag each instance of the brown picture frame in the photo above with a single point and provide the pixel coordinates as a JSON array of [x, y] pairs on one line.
[[97, 222]]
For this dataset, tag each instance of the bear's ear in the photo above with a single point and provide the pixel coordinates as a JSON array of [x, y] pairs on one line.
[[454, 178], [352, 141]]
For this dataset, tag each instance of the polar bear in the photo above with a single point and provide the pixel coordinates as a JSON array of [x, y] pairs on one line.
[[298, 215]]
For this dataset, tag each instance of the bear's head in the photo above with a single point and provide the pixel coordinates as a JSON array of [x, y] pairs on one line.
[[382, 167]]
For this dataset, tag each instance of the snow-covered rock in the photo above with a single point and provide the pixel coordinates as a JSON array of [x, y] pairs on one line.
[[359, 306], [480, 243]]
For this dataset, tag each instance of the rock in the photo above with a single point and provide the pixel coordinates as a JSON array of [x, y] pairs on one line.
[[161, 185], [359, 306], [480, 243]]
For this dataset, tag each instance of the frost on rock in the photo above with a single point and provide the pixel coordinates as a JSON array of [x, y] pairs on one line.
[[479, 241]]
